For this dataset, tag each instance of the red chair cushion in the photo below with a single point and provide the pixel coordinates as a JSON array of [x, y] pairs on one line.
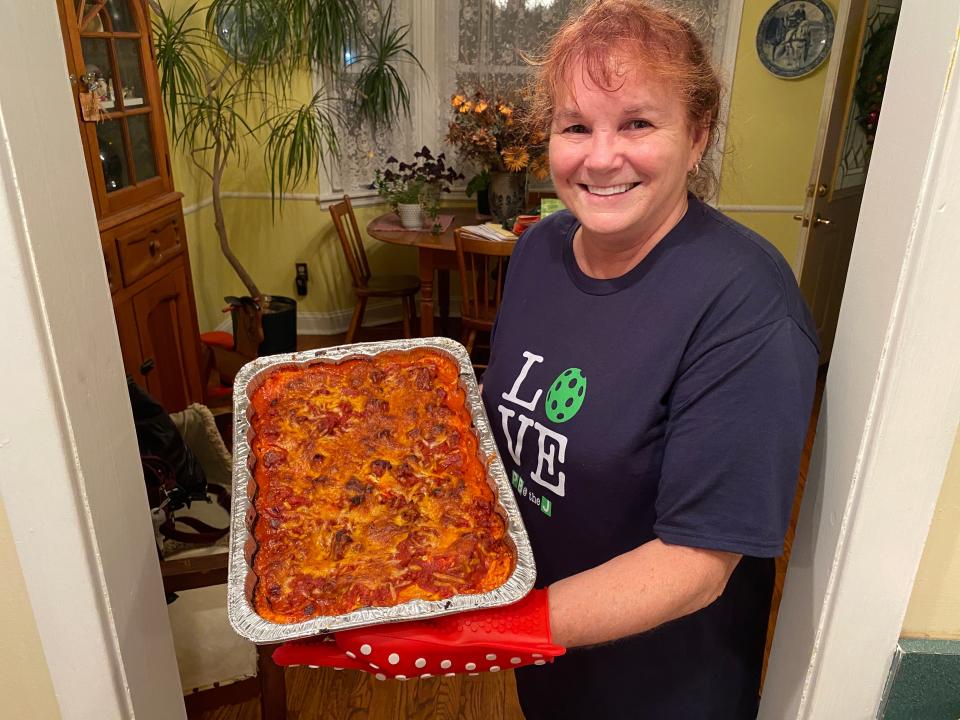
[[218, 338]]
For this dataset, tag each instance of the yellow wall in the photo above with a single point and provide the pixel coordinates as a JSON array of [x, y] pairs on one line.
[[25, 684], [770, 138], [269, 249], [934, 609]]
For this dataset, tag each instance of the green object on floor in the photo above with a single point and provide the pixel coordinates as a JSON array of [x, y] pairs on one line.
[[924, 681]]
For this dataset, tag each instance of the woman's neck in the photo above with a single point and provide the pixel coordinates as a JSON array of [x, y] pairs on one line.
[[602, 257]]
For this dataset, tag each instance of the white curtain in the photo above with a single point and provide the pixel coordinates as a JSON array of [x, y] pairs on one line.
[[472, 42]]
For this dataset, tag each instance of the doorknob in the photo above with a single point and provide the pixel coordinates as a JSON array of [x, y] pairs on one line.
[[806, 221]]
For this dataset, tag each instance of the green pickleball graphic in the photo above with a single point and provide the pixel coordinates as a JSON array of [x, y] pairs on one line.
[[566, 395]]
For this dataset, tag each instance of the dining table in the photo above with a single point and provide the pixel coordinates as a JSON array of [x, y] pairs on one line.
[[436, 253]]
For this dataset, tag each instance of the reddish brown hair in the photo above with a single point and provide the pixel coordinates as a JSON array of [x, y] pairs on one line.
[[604, 36]]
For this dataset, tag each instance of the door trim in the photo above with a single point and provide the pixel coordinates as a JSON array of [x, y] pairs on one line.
[[892, 398], [70, 475]]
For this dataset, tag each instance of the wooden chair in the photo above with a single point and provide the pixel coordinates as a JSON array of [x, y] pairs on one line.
[[226, 353], [269, 684], [366, 285], [199, 615], [483, 267]]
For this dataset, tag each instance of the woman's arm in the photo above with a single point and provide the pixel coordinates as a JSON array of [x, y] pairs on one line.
[[636, 591]]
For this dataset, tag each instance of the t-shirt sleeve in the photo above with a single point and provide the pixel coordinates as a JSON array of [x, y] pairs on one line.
[[735, 432]]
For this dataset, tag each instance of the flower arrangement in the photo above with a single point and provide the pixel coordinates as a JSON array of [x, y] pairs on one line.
[[490, 130], [418, 182]]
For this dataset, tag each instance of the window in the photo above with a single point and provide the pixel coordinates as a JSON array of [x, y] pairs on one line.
[[462, 43]]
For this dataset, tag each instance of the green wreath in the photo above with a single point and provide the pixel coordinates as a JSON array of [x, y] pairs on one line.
[[868, 90]]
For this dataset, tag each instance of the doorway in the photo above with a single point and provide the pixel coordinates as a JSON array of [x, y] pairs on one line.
[[847, 130]]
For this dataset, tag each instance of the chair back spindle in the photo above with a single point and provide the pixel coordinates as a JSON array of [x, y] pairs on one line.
[[351, 240], [365, 285], [482, 264]]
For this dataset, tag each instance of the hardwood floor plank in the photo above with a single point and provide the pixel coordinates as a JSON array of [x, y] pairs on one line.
[[482, 696], [384, 698], [511, 703], [306, 690], [346, 698], [430, 699]]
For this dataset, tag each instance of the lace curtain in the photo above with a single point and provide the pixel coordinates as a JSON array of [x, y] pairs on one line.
[[472, 42]]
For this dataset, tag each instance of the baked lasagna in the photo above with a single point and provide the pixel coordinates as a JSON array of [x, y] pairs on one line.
[[370, 490]]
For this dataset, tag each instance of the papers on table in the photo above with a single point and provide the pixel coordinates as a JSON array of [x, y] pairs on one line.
[[488, 231]]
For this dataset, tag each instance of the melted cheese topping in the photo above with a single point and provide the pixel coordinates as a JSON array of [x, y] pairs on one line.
[[369, 489]]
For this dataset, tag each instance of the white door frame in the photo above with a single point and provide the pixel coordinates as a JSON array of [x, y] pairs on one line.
[[892, 398], [70, 477], [69, 471]]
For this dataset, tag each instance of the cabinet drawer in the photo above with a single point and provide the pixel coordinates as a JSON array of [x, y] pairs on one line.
[[150, 245], [112, 262]]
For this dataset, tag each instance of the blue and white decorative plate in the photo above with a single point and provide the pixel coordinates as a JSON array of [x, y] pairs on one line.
[[795, 36]]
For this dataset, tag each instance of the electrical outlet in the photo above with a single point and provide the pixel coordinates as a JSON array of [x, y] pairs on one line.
[[301, 278]]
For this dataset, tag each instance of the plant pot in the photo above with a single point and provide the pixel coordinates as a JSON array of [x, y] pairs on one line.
[[279, 325], [411, 216], [508, 195]]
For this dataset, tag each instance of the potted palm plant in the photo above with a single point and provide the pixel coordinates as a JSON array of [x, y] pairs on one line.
[[226, 77]]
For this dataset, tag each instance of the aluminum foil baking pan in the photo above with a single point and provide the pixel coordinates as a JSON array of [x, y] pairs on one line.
[[241, 579]]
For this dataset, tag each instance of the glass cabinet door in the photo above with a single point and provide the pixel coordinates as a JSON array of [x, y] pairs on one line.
[[117, 69]]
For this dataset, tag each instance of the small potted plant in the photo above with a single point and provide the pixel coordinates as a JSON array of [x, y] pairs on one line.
[[413, 189], [402, 191]]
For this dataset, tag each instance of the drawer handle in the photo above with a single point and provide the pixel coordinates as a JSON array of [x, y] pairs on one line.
[[153, 246]]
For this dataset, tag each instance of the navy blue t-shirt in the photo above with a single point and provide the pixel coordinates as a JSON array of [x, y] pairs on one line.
[[671, 402]]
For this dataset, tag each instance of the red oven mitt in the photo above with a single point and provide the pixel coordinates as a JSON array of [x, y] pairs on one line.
[[472, 642]]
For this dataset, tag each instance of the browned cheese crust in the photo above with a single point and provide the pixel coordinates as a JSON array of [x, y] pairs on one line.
[[369, 489]]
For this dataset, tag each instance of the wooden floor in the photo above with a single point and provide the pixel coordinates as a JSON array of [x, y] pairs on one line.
[[327, 694], [341, 695]]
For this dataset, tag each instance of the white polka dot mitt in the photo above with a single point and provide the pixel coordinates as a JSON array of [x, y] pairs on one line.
[[471, 642]]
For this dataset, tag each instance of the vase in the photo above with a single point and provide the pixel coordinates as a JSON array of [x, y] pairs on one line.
[[483, 202], [411, 215], [508, 195]]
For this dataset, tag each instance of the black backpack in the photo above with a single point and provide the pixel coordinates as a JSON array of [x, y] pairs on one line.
[[173, 477]]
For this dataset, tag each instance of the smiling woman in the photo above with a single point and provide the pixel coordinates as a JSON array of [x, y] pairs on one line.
[[667, 493], [629, 122], [620, 162], [651, 378]]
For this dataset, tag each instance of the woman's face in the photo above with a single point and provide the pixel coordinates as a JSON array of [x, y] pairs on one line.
[[620, 158]]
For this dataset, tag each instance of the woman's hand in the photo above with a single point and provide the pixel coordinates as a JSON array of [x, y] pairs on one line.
[[641, 589]]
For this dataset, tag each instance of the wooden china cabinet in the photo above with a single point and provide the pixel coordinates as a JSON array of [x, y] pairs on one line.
[[110, 54]]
